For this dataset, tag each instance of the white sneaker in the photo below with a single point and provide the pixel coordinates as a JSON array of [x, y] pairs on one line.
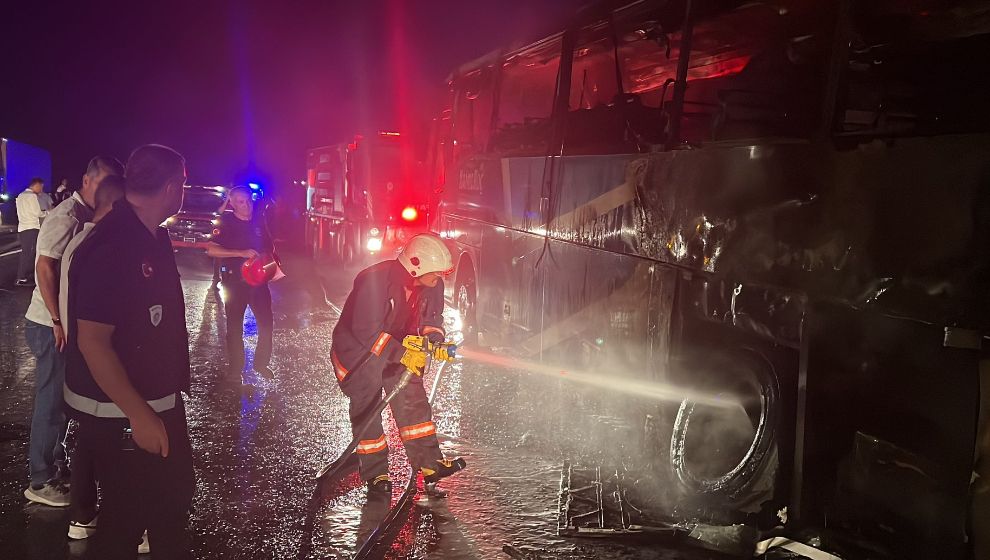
[[49, 495], [144, 547], [79, 530]]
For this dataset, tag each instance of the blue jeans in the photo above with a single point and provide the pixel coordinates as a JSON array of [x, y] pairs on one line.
[[47, 449]]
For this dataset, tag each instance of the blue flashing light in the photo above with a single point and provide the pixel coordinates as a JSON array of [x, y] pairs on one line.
[[254, 186]]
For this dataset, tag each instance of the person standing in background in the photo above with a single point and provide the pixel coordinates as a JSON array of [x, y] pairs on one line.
[[29, 215], [61, 193], [46, 339]]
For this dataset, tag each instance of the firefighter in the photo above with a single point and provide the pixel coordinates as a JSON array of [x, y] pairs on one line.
[[390, 301]]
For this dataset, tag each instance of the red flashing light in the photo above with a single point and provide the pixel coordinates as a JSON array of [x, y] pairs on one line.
[[409, 213]]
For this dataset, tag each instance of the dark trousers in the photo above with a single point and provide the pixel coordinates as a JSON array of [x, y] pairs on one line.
[[83, 489], [29, 244], [238, 296], [141, 491], [410, 408]]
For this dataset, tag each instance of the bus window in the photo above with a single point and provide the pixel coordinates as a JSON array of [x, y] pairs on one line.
[[593, 81], [616, 107], [473, 109], [757, 70], [526, 95], [916, 68], [649, 44]]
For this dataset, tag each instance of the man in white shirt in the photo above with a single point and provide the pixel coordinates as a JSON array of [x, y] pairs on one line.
[[45, 338], [29, 214]]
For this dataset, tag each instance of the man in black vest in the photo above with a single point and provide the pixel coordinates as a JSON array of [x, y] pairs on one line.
[[242, 236], [128, 363], [391, 300]]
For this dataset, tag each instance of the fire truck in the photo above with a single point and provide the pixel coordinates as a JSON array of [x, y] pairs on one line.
[[364, 198]]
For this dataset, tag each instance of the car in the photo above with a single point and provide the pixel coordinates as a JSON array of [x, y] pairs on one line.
[[196, 223]]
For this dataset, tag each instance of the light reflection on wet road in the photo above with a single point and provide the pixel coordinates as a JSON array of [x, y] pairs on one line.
[[257, 447]]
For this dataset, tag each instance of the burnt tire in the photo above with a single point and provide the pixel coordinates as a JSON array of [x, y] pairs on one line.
[[723, 443]]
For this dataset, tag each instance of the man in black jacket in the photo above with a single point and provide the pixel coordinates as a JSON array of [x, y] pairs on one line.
[[242, 236], [391, 300]]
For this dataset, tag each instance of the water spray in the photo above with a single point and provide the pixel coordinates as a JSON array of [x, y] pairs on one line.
[[632, 387]]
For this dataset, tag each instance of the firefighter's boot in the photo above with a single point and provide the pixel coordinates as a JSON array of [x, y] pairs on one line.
[[443, 469]]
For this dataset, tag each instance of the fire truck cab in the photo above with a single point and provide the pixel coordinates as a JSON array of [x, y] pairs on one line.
[[363, 198]]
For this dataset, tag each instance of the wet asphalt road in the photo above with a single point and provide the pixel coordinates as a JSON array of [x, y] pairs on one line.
[[257, 448]]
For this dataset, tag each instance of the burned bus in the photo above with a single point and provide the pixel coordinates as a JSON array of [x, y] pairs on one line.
[[783, 201]]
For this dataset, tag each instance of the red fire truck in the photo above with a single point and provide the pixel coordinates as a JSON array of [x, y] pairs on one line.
[[363, 198]]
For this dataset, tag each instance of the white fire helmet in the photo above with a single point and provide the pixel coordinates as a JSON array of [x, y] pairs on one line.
[[425, 253]]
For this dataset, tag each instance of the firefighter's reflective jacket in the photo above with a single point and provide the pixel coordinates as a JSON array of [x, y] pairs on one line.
[[380, 311]]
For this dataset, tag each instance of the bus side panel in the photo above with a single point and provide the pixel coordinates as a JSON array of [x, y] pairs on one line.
[[595, 310], [891, 425]]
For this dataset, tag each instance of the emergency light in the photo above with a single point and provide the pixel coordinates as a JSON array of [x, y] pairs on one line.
[[409, 213]]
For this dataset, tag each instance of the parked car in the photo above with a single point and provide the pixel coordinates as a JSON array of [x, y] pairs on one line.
[[195, 224]]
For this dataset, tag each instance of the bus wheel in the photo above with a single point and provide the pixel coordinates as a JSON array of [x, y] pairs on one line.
[[724, 438], [466, 298]]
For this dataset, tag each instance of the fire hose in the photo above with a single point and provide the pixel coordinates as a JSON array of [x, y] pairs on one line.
[[417, 343], [375, 538]]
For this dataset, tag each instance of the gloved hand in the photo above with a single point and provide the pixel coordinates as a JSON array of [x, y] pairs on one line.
[[414, 360], [435, 337], [443, 352]]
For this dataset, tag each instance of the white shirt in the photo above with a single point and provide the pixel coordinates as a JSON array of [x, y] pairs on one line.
[[63, 285], [45, 201], [29, 211], [61, 225]]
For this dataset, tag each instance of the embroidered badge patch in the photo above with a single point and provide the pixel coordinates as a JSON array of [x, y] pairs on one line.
[[147, 269], [155, 311]]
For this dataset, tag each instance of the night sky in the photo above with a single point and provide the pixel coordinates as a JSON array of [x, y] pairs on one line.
[[240, 88]]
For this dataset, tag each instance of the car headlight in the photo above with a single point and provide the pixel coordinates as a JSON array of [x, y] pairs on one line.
[[374, 244]]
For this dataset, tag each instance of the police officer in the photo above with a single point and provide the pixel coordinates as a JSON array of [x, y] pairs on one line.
[[128, 363], [243, 235], [391, 300]]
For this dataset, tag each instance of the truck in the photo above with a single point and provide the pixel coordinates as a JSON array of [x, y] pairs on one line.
[[364, 198], [783, 204], [19, 163]]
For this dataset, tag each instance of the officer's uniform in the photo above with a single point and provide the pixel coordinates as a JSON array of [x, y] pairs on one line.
[[238, 234], [381, 310], [121, 275]]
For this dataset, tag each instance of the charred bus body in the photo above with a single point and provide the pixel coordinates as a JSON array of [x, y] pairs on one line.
[[364, 198], [784, 202]]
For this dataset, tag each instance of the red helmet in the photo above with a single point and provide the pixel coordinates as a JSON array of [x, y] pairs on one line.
[[259, 270]]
